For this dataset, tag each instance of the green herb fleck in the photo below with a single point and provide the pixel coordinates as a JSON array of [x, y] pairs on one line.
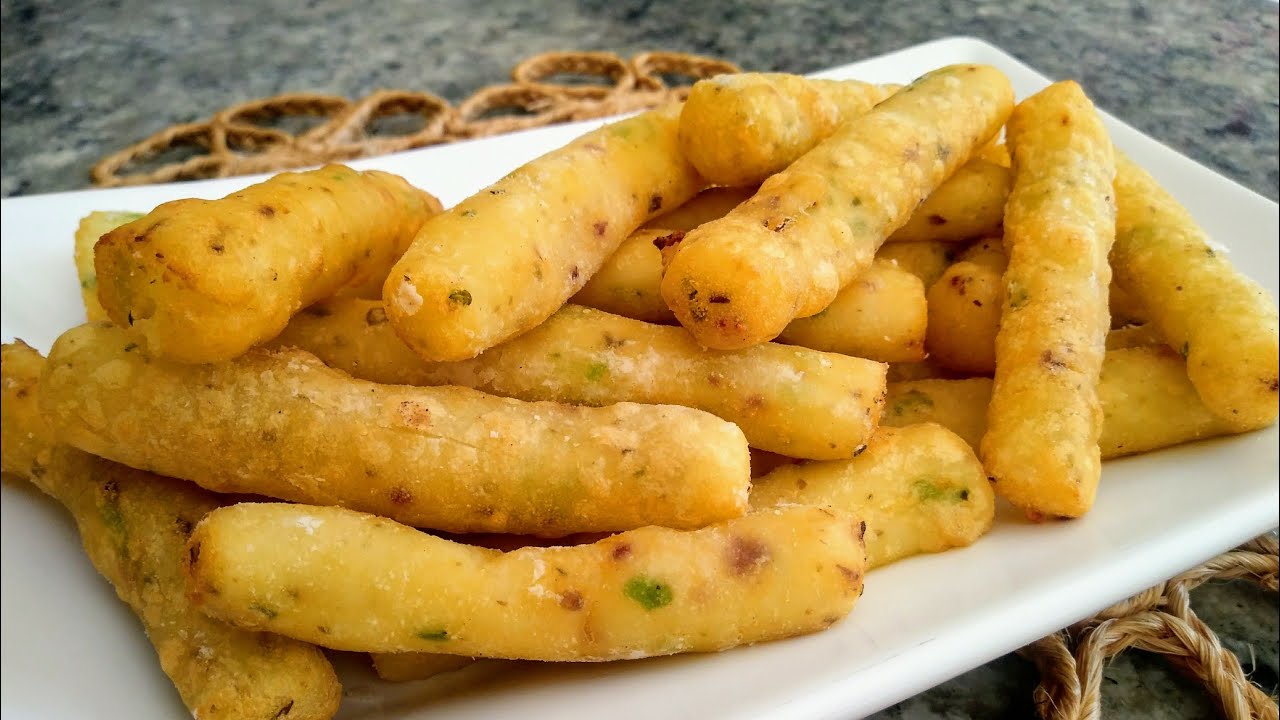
[[597, 371], [112, 518], [89, 283], [433, 635], [468, 213], [462, 297], [929, 491], [911, 401], [266, 611], [1185, 350], [1018, 297], [650, 593]]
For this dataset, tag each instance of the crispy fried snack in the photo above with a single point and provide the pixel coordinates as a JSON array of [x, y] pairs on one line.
[[509, 256], [205, 280], [794, 401], [706, 206], [1147, 404], [1044, 420], [1224, 323], [786, 252], [881, 316], [920, 489], [281, 424], [134, 527], [352, 581], [964, 314], [92, 227], [630, 282], [740, 129], [926, 260], [970, 204]]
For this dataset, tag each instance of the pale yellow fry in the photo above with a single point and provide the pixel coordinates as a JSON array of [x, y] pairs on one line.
[[739, 129], [970, 204], [506, 258], [964, 315], [794, 401], [92, 227], [205, 280], [352, 581], [1044, 420], [281, 424], [1224, 323], [630, 282], [926, 260], [786, 252], [920, 489]]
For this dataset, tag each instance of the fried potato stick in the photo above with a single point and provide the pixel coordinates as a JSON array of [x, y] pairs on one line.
[[134, 527], [1223, 322], [506, 258], [809, 230], [281, 424], [1044, 420], [352, 581], [739, 129], [970, 204], [920, 489], [92, 227], [205, 280], [926, 260], [795, 401], [964, 308], [881, 315], [1147, 404], [630, 282]]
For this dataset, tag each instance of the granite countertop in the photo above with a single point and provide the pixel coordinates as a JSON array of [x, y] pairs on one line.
[[82, 79]]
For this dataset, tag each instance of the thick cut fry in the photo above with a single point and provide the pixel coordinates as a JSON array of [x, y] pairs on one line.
[[92, 227], [964, 315], [282, 424], [358, 582], [205, 280], [630, 282], [1043, 423], [920, 489], [970, 204], [881, 315], [1147, 404], [794, 401], [410, 666], [786, 252], [134, 527], [925, 260], [740, 129], [1224, 323], [706, 206], [509, 256]]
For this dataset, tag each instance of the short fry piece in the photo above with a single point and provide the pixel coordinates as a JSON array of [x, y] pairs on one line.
[[281, 424], [964, 315], [352, 581], [739, 129], [410, 666], [1224, 323], [926, 260], [811, 229], [920, 489], [958, 405], [134, 527], [968, 205], [881, 315], [92, 227], [1041, 444], [630, 282], [205, 280], [506, 258], [794, 401]]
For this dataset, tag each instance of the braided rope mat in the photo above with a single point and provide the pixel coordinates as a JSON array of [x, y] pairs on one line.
[[237, 141]]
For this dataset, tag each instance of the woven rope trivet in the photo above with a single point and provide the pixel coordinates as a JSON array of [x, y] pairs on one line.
[[236, 141]]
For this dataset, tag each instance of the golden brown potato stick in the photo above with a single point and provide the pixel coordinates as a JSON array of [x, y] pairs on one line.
[[1223, 322], [881, 316], [706, 206], [809, 230], [1147, 404], [134, 527], [739, 129], [92, 227], [205, 280], [506, 258], [968, 205], [630, 282], [281, 424], [1044, 420], [925, 260], [920, 489], [352, 581], [795, 401], [964, 308]]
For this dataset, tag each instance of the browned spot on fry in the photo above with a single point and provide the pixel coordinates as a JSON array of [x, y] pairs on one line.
[[853, 577], [977, 303], [574, 273], [1051, 360], [610, 341], [802, 483], [782, 225], [600, 227], [571, 600], [862, 529], [714, 379], [655, 203], [959, 283], [375, 316], [665, 241], [22, 392], [400, 496], [718, 299], [267, 211], [746, 554], [621, 551], [1066, 120], [193, 555], [830, 620], [217, 248], [283, 711], [318, 311], [859, 450], [755, 402], [1274, 384], [414, 415], [912, 153], [184, 526]]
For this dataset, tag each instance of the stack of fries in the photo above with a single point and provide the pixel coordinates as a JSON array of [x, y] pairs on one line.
[[674, 387]]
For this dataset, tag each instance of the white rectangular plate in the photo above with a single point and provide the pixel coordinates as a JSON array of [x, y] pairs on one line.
[[71, 650]]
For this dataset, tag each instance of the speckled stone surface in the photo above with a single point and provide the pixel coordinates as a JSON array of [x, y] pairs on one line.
[[81, 79]]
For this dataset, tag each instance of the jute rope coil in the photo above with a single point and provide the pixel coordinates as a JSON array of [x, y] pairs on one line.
[[240, 140], [236, 141]]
